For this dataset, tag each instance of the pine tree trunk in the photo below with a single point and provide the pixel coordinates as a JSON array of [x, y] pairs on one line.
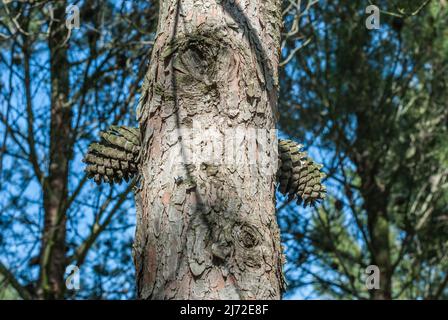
[[206, 225], [375, 204], [378, 226], [53, 248]]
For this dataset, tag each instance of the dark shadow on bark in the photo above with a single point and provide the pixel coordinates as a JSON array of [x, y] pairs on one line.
[[203, 217], [198, 214], [256, 45], [201, 206]]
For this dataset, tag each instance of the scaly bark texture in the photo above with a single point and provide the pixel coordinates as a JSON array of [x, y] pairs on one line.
[[52, 256], [206, 227]]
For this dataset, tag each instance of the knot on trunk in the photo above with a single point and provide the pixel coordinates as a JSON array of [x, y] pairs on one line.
[[247, 236], [199, 62]]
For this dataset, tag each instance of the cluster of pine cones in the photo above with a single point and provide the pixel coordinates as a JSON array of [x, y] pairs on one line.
[[115, 158]]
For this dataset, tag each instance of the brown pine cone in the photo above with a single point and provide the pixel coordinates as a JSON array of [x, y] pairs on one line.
[[298, 176], [115, 157]]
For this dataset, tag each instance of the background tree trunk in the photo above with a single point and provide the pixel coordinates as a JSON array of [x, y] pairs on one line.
[[53, 250], [206, 225]]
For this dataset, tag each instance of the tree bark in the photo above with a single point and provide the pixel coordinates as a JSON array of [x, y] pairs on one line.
[[378, 225], [375, 197], [53, 248], [206, 225]]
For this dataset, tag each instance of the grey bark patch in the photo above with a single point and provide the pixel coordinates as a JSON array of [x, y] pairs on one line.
[[220, 251], [196, 268], [229, 292]]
